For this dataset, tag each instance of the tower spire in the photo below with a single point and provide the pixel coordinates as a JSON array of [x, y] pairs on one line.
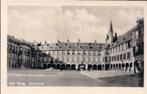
[[111, 27], [109, 37]]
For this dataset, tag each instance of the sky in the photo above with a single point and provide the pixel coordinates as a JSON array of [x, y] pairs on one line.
[[87, 23]]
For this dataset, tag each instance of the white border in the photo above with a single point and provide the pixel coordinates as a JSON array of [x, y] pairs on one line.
[[65, 90]]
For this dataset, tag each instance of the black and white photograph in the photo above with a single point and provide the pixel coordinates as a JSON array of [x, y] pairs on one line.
[[69, 46]]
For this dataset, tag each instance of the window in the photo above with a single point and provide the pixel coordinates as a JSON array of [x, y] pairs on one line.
[[120, 56], [129, 45], [92, 53], [84, 52], [112, 58], [109, 59], [99, 53], [119, 47], [72, 59], [105, 59], [73, 52], [68, 52], [89, 53], [128, 55], [63, 52], [123, 46], [124, 56], [67, 59], [78, 52]]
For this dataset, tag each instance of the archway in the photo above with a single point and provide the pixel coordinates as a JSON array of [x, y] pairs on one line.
[[82, 67], [12, 66], [114, 66], [99, 67], [58, 66], [119, 65], [68, 67], [44, 66], [130, 66], [94, 67], [137, 66], [89, 66], [103, 67], [123, 66], [54, 66], [127, 65], [63, 67], [73, 67], [48, 65], [106, 66]]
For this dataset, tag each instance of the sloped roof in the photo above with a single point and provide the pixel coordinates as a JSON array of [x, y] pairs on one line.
[[73, 46], [124, 37], [18, 41]]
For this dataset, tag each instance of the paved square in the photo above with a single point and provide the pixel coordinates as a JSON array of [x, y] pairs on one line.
[[67, 78]]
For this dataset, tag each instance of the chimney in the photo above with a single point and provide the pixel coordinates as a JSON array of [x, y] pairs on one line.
[[95, 41], [116, 35], [68, 41], [45, 42]]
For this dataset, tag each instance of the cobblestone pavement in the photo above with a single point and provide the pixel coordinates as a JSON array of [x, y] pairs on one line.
[[60, 78]]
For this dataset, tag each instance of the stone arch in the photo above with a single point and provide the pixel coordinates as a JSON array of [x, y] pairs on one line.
[[58, 66], [73, 66], [81, 67], [106, 66], [94, 67], [119, 66], [130, 66], [48, 65], [99, 67], [89, 67], [44, 66], [103, 66], [110, 66], [54, 66], [114, 66], [138, 66], [68, 67], [12, 65], [63, 67], [126, 67], [123, 66]]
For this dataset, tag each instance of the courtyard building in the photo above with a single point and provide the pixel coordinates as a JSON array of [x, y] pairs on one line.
[[119, 52]]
